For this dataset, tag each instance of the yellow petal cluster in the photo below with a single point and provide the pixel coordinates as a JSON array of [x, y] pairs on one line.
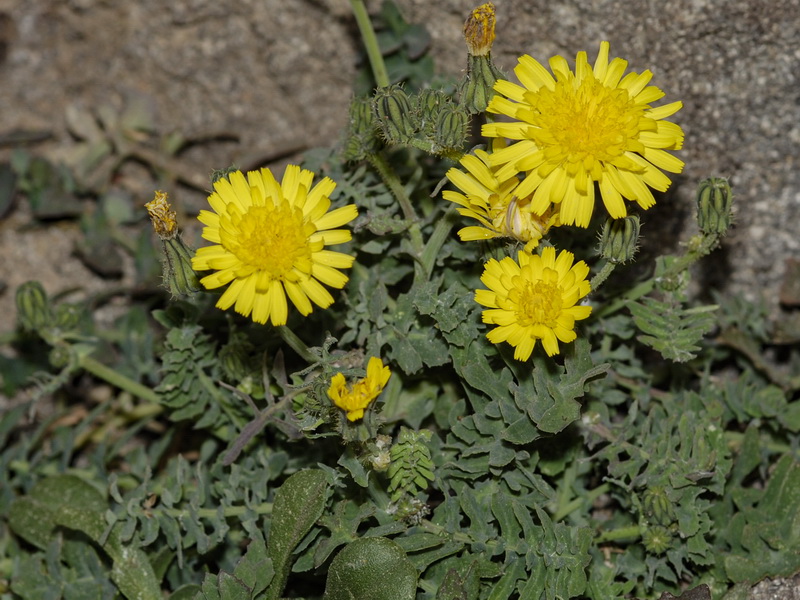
[[354, 399], [269, 242], [534, 298], [575, 129]]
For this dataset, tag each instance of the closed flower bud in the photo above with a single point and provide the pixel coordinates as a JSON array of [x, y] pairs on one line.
[[714, 202], [218, 174], [235, 358], [68, 316], [477, 87], [451, 127], [619, 239], [394, 113], [60, 355], [33, 309], [361, 135], [178, 276], [429, 102], [657, 539], [657, 506]]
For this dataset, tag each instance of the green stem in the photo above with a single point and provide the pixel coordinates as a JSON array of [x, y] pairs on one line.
[[631, 532], [264, 508], [736, 439], [116, 379], [296, 344], [370, 43], [701, 249], [600, 278], [577, 503], [435, 242], [392, 181]]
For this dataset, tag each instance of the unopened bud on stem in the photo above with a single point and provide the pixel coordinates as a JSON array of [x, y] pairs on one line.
[[619, 239], [714, 202]]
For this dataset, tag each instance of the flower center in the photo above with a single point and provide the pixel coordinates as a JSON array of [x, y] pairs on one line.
[[269, 238], [539, 303], [585, 124]]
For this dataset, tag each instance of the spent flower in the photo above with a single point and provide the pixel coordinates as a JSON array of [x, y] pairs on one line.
[[355, 398], [534, 298], [269, 242], [573, 129]]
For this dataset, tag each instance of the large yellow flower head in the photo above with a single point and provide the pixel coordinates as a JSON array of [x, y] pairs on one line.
[[357, 397], [577, 128], [494, 203], [534, 298], [269, 242]]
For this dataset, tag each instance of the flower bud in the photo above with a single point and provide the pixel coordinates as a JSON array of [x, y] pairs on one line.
[[451, 127], [714, 201], [657, 506], [60, 355], [218, 174], [657, 539], [619, 239], [394, 113], [429, 102], [68, 316], [361, 136], [33, 309], [477, 87], [178, 276]]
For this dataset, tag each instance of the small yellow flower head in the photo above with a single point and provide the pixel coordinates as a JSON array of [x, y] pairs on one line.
[[495, 204], [479, 30], [162, 217], [577, 128], [534, 298], [269, 241], [354, 399]]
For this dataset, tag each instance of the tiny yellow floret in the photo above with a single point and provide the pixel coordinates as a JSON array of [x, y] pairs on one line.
[[354, 399]]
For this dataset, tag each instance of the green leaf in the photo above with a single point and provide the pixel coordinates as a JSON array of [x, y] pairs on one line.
[[298, 504], [670, 329], [70, 502], [371, 569]]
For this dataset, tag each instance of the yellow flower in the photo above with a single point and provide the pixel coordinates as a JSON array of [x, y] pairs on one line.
[[495, 203], [593, 125], [534, 298], [355, 398], [269, 242]]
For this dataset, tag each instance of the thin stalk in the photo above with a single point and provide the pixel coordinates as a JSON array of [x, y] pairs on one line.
[[116, 379], [392, 181], [600, 278], [631, 532], [370, 43], [577, 503], [296, 344], [264, 508]]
